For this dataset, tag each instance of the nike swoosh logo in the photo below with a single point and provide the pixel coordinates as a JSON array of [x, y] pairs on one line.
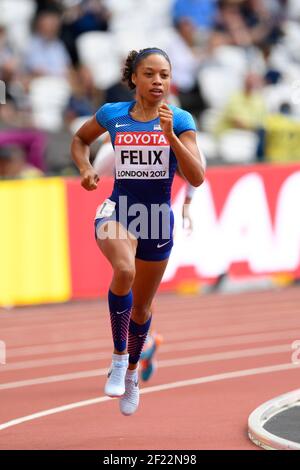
[[122, 125], [119, 313], [163, 244]]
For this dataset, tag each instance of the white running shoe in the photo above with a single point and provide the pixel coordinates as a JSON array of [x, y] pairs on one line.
[[129, 402], [115, 384]]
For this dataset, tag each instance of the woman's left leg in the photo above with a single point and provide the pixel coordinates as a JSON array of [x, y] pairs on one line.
[[146, 282], [147, 279]]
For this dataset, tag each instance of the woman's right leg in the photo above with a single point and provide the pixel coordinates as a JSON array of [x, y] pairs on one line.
[[119, 247]]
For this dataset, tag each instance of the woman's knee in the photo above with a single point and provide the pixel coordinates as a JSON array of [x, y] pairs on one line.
[[124, 274]]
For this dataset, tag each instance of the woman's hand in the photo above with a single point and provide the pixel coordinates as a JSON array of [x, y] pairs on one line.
[[89, 179], [166, 119]]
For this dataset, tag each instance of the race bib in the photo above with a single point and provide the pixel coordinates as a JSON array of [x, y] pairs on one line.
[[106, 209], [142, 155]]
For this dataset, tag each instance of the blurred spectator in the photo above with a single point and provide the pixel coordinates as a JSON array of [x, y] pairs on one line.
[[10, 115], [48, 5], [201, 12], [263, 20], [282, 136], [89, 15], [32, 141], [13, 112], [246, 109], [8, 61], [46, 53], [247, 22], [230, 25], [186, 59], [13, 164], [85, 98], [264, 34], [118, 92], [81, 17]]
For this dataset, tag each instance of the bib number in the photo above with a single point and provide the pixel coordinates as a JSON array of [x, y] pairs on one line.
[[106, 209], [142, 155]]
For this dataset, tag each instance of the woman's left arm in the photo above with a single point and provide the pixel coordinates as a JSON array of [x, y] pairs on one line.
[[188, 157], [184, 147]]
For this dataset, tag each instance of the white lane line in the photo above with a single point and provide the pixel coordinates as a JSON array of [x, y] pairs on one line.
[[55, 361], [226, 356], [157, 388], [230, 341], [54, 378], [165, 347], [55, 348], [204, 358], [208, 301], [95, 356], [251, 313], [201, 332], [275, 307]]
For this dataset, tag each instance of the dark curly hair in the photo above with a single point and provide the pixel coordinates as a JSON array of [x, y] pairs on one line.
[[134, 58]]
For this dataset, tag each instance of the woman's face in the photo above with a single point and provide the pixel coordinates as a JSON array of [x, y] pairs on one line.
[[153, 78]]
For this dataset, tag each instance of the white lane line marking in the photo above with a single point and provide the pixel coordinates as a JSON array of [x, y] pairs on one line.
[[202, 331], [203, 358], [54, 379], [14, 322], [225, 356], [253, 311], [169, 347], [229, 341], [93, 357], [257, 299], [157, 388], [71, 359], [55, 348]]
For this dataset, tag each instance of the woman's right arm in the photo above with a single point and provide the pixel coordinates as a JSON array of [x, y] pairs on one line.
[[80, 151]]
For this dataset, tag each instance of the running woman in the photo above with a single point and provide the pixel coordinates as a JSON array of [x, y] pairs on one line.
[[104, 165], [150, 139]]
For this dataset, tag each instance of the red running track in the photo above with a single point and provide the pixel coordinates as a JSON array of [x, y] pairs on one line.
[[222, 356]]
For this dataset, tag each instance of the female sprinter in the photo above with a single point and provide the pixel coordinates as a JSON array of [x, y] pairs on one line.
[[104, 164], [150, 138]]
